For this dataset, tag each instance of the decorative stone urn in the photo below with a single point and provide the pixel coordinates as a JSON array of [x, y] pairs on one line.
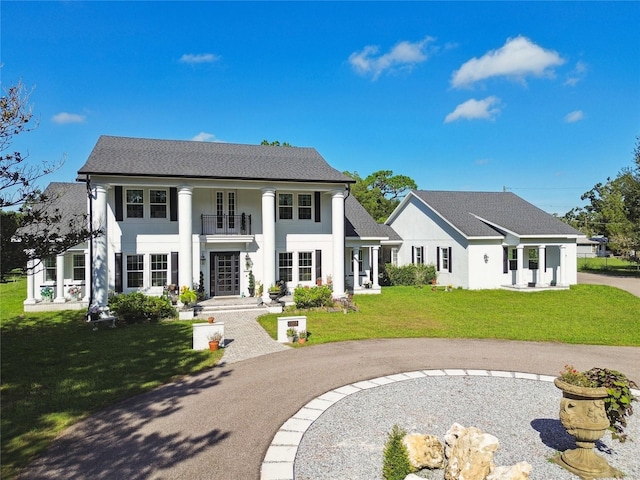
[[582, 413]]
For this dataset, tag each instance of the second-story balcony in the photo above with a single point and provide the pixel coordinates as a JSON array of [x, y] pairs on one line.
[[225, 224]]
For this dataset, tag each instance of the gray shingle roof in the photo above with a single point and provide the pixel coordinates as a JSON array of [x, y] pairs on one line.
[[177, 158], [358, 222], [70, 201], [503, 209]]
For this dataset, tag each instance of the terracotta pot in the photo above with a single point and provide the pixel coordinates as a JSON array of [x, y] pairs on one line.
[[211, 319], [583, 415], [214, 346], [302, 340]]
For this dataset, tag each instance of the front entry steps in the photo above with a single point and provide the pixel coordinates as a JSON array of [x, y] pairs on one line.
[[211, 306]]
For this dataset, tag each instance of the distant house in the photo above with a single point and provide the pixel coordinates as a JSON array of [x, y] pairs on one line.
[[482, 240], [202, 213], [593, 247]]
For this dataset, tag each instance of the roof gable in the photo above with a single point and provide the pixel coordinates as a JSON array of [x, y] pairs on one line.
[[178, 158], [481, 214], [359, 223]]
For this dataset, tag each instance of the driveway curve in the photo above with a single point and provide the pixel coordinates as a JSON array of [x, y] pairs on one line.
[[220, 423]]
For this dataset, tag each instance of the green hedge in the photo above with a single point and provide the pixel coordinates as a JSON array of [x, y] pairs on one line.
[[410, 274], [137, 307], [309, 297]]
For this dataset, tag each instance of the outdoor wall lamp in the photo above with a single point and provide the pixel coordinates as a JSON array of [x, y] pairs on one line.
[[247, 261], [202, 258], [486, 258]]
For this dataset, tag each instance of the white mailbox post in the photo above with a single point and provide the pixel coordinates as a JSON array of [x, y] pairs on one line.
[[285, 323]]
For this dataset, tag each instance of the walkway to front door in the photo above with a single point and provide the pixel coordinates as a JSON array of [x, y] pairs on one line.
[[225, 274]]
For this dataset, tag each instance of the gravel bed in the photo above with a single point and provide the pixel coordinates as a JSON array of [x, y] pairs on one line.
[[347, 440]]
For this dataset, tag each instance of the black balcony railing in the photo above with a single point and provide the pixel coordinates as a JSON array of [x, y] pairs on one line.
[[226, 224]]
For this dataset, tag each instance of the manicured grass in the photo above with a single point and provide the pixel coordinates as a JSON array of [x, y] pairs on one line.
[[609, 266], [585, 314], [56, 370]]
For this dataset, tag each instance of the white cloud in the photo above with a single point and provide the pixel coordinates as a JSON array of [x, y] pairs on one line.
[[63, 118], [404, 55], [574, 116], [199, 58], [577, 74], [205, 137], [518, 58], [473, 109]]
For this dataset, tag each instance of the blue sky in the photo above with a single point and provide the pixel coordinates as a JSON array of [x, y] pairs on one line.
[[541, 98]]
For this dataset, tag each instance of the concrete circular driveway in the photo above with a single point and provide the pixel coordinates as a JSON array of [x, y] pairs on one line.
[[220, 423]]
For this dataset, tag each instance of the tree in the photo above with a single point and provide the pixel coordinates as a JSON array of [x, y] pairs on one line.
[[613, 211], [13, 255], [39, 230], [275, 143], [381, 192]]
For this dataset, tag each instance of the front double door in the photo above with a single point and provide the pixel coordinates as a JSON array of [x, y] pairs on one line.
[[225, 274]]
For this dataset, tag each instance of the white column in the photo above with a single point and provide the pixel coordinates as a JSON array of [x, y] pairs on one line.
[[356, 269], [542, 267], [374, 254], [268, 240], [519, 267], [100, 251], [337, 236], [59, 279], [185, 235], [87, 275], [31, 291], [561, 274]]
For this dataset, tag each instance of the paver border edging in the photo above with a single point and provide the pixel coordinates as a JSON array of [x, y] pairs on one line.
[[278, 462]]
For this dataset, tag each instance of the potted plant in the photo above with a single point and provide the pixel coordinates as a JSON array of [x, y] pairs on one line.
[[47, 294], [93, 313], [274, 292], [75, 291], [211, 319], [187, 296], [291, 334], [592, 402], [302, 336], [252, 283], [214, 340]]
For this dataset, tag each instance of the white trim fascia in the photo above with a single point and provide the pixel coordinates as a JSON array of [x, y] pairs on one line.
[[475, 237], [391, 242], [396, 211], [226, 238]]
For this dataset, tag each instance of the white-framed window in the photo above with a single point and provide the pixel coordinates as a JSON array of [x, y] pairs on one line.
[[394, 256], [418, 255], [231, 209], [359, 253], [285, 206], [135, 203], [158, 203], [78, 267], [305, 264], [219, 210], [285, 266], [135, 271], [444, 258], [159, 267], [513, 259], [50, 269], [304, 206]]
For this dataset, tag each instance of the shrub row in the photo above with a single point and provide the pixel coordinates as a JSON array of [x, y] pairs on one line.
[[137, 307], [309, 297], [410, 274]]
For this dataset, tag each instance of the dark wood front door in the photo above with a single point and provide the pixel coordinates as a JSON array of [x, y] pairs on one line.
[[225, 273]]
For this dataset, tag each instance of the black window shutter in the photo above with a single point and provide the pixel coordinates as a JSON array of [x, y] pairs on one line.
[[413, 254], [318, 263], [438, 259], [118, 272], [422, 255], [119, 213], [174, 268], [275, 207], [505, 259], [316, 204], [450, 261], [173, 204]]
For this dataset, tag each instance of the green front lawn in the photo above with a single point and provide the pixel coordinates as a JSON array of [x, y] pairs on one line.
[[586, 314], [57, 370]]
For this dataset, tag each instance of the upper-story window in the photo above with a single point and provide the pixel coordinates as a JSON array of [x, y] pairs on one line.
[[304, 206], [285, 206], [158, 203], [135, 204]]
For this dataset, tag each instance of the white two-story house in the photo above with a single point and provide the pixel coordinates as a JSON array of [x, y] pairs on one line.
[[207, 214]]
